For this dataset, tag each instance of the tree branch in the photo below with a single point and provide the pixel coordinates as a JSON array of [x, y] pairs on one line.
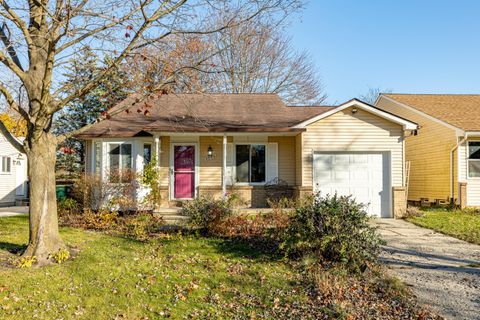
[[12, 62], [114, 64], [11, 102], [12, 16], [165, 82], [10, 138]]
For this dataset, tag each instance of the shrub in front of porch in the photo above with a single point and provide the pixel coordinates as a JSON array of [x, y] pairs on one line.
[[333, 229], [205, 211]]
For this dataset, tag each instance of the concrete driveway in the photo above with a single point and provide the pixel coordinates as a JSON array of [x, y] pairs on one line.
[[12, 211], [443, 272]]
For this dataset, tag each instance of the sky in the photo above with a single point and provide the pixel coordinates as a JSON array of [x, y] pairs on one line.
[[408, 46]]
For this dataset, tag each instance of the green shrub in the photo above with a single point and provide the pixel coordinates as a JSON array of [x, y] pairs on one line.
[[68, 206], [141, 226], [206, 211], [333, 229], [25, 262], [60, 256]]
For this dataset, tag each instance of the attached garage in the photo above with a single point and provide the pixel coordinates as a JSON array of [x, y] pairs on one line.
[[358, 150], [363, 175]]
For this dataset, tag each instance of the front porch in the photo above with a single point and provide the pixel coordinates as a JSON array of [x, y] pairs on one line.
[[197, 164]]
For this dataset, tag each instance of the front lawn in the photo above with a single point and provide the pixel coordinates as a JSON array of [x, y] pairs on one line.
[[184, 276], [464, 225]]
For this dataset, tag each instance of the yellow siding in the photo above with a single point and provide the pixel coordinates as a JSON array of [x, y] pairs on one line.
[[362, 131], [428, 153], [286, 158], [164, 160], [211, 169], [298, 159]]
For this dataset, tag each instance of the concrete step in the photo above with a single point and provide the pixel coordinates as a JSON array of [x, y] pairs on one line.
[[175, 219], [167, 211]]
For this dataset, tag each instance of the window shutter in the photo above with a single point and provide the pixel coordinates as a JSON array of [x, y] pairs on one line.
[[230, 165], [272, 162]]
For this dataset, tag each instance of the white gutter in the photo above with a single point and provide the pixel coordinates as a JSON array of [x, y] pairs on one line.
[[452, 169]]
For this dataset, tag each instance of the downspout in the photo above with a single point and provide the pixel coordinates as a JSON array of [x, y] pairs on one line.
[[452, 168]]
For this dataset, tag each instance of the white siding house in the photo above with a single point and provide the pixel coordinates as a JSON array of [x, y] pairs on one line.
[[13, 174]]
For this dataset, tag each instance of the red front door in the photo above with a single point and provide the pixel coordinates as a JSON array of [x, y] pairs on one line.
[[184, 172]]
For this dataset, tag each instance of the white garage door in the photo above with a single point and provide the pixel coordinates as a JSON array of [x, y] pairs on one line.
[[364, 175]]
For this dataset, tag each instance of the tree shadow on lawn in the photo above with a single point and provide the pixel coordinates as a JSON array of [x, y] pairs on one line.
[[13, 248], [258, 248]]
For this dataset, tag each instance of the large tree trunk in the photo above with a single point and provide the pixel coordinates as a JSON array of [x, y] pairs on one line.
[[44, 236]]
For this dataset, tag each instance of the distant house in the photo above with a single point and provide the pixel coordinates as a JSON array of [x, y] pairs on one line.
[[218, 143], [445, 154], [13, 174]]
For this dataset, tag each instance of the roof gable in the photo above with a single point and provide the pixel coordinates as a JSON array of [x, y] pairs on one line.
[[461, 111], [407, 125]]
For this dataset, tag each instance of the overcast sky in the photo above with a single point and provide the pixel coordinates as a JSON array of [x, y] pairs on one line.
[[410, 46]]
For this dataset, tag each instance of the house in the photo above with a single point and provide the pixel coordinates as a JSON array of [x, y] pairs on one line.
[[13, 174], [217, 143], [445, 154]]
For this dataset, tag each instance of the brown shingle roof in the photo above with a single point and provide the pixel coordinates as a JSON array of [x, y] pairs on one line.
[[202, 113], [459, 110]]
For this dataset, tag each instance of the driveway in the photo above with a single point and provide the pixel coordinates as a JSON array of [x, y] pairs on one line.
[[12, 211], [443, 272]]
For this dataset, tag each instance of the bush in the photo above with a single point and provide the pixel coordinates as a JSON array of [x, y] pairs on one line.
[[141, 226], [333, 229], [101, 220], [60, 256], [206, 211], [95, 194], [254, 226], [68, 206]]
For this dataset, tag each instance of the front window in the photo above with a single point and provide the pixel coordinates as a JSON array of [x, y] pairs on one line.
[[147, 153], [120, 162], [6, 164], [250, 163], [474, 159]]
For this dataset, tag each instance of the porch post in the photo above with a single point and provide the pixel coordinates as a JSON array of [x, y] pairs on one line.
[[224, 171]]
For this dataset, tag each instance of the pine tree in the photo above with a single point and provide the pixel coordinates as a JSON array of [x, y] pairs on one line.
[[84, 110]]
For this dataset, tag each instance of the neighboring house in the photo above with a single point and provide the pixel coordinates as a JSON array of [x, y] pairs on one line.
[[218, 143], [13, 174], [445, 154]]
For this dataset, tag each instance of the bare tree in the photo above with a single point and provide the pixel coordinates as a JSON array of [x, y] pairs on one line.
[[372, 94], [258, 57], [39, 36], [252, 57]]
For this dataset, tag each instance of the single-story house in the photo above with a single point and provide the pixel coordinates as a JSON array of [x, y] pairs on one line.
[[445, 154], [212, 144], [13, 174]]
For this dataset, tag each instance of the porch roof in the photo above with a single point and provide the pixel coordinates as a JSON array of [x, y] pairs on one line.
[[202, 113]]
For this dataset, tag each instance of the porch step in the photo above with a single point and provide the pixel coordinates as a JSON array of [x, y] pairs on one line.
[[167, 211], [171, 216], [175, 219]]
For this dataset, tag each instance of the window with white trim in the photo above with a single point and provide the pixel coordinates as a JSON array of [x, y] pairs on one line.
[[250, 163], [119, 162], [474, 159], [6, 165]]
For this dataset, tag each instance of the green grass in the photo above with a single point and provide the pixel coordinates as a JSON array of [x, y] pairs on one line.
[[463, 225], [113, 277]]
